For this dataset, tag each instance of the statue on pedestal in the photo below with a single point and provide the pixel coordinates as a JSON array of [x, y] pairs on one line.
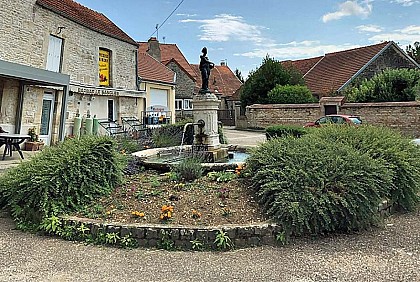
[[205, 67]]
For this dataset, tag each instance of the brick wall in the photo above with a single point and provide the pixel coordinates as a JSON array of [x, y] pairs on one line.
[[402, 116]]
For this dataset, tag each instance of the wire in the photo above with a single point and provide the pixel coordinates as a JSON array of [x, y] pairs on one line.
[[158, 27]]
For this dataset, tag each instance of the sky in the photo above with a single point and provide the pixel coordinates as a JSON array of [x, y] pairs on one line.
[[242, 32]]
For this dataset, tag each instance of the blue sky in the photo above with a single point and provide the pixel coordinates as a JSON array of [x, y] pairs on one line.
[[242, 32]]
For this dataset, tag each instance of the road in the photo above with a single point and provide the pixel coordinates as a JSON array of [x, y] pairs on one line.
[[388, 254]]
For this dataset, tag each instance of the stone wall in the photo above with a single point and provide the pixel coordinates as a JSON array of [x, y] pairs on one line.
[[403, 116], [26, 28], [184, 88], [390, 58]]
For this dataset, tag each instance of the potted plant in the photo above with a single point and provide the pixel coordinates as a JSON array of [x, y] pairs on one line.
[[33, 144]]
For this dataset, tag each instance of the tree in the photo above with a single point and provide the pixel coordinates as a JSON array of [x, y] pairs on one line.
[[392, 85], [414, 51], [265, 78], [239, 75]]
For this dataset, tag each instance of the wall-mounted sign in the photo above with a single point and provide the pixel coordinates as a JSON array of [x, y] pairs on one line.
[[94, 91], [104, 67]]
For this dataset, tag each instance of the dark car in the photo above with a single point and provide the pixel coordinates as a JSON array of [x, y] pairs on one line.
[[335, 119]]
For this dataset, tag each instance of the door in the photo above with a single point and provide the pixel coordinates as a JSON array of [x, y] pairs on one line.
[[47, 111]]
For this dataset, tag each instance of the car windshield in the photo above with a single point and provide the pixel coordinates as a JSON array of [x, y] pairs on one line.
[[355, 120]]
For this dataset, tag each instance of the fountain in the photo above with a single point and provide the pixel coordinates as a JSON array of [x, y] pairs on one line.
[[206, 141]]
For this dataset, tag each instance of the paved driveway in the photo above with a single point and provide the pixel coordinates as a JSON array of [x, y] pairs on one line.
[[243, 137], [388, 254]]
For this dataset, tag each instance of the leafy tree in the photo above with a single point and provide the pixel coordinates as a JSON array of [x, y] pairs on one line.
[[290, 94], [392, 85], [414, 51], [265, 78], [239, 75]]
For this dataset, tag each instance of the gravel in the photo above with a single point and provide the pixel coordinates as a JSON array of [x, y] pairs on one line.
[[390, 253]]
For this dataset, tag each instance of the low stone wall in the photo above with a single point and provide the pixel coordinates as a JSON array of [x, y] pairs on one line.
[[181, 236], [403, 116]]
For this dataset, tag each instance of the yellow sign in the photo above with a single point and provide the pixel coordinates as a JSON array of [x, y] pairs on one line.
[[104, 68]]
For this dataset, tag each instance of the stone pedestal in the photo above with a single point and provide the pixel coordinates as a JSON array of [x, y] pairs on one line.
[[205, 108]]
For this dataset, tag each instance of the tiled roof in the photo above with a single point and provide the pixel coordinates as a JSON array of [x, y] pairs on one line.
[[221, 79], [325, 75], [303, 66], [170, 53], [152, 70], [86, 17]]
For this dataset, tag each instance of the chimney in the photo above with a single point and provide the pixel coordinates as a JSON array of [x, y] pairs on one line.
[[223, 63], [154, 49]]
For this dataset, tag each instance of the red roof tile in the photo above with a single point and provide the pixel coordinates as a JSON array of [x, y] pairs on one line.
[[86, 17], [221, 79], [170, 53], [152, 70], [325, 75], [303, 66]]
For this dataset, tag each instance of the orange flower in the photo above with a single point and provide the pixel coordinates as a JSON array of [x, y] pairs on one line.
[[196, 214]]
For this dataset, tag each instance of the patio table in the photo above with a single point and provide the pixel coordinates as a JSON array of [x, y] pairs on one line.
[[11, 140]]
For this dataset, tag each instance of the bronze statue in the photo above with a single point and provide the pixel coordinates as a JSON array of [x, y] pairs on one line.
[[205, 67]]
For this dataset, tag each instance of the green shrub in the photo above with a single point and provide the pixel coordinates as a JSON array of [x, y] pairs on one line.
[[312, 187], [290, 94], [127, 145], [171, 135], [284, 130], [61, 178], [399, 154], [393, 85], [189, 168]]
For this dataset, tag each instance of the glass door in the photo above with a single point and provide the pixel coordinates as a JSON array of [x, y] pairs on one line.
[[46, 118]]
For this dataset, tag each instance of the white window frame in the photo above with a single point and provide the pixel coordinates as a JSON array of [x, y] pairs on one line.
[[187, 104], [178, 104]]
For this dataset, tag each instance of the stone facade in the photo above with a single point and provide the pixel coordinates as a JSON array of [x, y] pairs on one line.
[[390, 58], [184, 88], [402, 116], [26, 28]]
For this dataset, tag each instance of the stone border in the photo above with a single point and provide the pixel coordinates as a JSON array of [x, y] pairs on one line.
[[145, 155], [148, 235]]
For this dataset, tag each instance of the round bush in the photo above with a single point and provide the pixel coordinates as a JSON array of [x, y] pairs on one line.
[[399, 154], [61, 178], [312, 187]]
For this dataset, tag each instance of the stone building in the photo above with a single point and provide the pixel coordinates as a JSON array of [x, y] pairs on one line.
[[59, 59], [170, 56], [333, 72]]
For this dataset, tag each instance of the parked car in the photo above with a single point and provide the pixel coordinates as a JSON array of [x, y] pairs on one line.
[[335, 119]]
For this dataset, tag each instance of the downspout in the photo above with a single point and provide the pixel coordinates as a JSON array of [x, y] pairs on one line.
[[63, 112], [137, 69], [19, 108]]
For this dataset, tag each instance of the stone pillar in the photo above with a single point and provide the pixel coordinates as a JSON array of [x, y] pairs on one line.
[[205, 108]]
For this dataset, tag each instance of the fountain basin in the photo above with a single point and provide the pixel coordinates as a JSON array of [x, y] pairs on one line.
[[164, 158]]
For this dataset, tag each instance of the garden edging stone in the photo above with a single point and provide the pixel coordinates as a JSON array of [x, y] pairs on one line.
[[149, 235]]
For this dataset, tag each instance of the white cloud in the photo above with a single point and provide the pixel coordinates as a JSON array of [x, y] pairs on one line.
[[409, 34], [296, 50], [226, 27], [350, 8], [186, 15], [369, 28], [406, 3]]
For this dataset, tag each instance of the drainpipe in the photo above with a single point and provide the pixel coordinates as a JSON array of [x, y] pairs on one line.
[[19, 108], [137, 69], [63, 112]]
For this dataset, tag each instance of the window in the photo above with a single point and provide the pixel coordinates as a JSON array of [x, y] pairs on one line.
[[111, 116], [187, 104], [104, 67], [178, 104], [55, 47]]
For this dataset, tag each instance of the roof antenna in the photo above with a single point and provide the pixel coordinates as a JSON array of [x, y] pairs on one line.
[[164, 39], [157, 31]]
